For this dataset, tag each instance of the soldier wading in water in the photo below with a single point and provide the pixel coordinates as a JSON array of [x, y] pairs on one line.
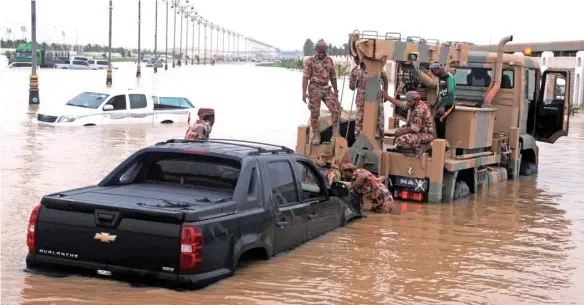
[[201, 129]]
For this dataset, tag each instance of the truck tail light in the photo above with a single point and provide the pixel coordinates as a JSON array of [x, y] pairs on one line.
[[403, 194], [30, 232], [191, 249]]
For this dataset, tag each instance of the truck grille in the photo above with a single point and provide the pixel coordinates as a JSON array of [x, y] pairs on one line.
[[46, 118]]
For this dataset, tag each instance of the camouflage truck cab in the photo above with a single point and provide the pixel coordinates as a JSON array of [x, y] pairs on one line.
[[504, 105]]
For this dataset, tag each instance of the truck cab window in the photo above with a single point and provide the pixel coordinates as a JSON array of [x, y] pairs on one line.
[[283, 183], [138, 101], [312, 187], [252, 191], [118, 101], [193, 172]]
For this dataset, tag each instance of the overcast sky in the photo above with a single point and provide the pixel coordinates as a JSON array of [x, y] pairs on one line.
[[286, 24]]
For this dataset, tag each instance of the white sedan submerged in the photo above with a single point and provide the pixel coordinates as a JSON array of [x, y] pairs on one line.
[[95, 108]]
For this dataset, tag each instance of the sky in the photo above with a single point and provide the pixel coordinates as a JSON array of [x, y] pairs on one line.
[[287, 24]]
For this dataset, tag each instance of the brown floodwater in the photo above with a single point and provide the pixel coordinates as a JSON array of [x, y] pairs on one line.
[[520, 242]]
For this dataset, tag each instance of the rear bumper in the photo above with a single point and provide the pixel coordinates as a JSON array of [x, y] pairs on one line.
[[49, 265]]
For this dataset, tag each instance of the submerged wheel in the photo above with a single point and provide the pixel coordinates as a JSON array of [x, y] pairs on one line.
[[527, 169], [461, 189]]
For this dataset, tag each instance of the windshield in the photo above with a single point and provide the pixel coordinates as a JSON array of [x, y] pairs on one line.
[[88, 100]]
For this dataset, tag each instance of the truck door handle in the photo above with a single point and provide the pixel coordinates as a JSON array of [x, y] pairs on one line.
[[282, 223], [312, 216]]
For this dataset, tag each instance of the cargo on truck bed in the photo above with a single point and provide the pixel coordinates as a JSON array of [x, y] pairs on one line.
[[186, 212]]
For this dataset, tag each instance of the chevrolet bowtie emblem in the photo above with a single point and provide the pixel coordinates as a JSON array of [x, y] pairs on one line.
[[105, 237]]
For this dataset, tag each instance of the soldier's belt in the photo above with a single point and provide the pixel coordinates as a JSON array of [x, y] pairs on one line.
[[318, 84]]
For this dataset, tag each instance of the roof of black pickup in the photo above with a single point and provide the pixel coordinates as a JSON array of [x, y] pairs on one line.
[[229, 147]]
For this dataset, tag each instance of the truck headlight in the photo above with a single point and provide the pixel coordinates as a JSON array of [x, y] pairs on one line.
[[67, 118]]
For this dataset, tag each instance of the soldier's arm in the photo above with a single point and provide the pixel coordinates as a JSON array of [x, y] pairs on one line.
[[333, 76], [385, 81], [306, 74], [353, 79], [393, 100], [200, 131]]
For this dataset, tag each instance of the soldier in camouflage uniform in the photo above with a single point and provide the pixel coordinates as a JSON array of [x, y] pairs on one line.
[[319, 69], [201, 129], [420, 124], [358, 81], [365, 184]]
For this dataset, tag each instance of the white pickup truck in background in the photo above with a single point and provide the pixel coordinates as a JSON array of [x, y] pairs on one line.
[[98, 108], [76, 64]]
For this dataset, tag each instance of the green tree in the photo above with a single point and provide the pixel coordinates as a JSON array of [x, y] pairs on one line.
[[308, 47]]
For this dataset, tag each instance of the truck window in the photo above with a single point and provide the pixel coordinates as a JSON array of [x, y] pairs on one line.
[[283, 183], [312, 187], [118, 101], [481, 77], [530, 84], [138, 101], [202, 171]]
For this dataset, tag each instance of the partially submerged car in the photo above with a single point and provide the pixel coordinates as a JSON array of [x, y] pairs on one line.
[[187, 212], [100, 108]]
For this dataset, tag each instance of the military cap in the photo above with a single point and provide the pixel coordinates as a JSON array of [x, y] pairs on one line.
[[205, 112], [348, 167], [413, 95]]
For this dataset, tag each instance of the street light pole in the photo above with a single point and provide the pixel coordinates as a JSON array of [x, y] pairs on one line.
[[174, 32], [193, 19], [166, 51], [180, 10], [224, 55], [138, 72], [199, 41], [187, 39], [205, 47], [33, 91], [211, 26], [156, 37], [217, 43], [228, 44], [108, 79]]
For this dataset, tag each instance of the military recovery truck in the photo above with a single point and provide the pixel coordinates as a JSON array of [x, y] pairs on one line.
[[504, 104]]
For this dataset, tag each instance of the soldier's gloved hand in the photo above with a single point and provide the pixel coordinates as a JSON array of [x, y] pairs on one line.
[[304, 96]]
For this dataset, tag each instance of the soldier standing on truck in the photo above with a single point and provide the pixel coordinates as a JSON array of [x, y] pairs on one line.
[[364, 184], [201, 129], [358, 81], [419, 126], [319, 69], [446, 98]]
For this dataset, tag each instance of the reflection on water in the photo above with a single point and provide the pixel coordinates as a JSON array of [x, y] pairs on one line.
[[518, 242]]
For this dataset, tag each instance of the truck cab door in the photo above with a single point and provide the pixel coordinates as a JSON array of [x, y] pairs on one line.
[[289, 211], [324, 213], [141, 109], [552, 116], [115, 110]]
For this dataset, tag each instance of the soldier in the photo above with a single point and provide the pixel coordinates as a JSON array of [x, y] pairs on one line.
[[358, 80], [419, 126], [446, 97], [319, 69], [201, 129], [364, 184]]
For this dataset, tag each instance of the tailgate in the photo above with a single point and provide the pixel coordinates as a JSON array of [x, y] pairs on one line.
[[92, 232]]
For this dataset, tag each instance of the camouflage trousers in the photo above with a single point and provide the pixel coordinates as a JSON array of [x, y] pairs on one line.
[[316, 94], [381, 200], [413, 140], [360, 102]]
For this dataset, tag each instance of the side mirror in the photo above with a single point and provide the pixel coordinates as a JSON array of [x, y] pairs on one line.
[[108, 107], [339, 190]]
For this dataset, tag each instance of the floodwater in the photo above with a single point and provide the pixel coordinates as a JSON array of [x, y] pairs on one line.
[[520, 242]]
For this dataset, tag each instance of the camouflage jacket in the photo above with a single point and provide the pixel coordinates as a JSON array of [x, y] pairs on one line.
[[368, 185], [319, 71], [419, 118], [357, 80], [192, 130]]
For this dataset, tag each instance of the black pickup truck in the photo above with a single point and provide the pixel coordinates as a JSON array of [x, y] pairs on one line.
[[186, 212]]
